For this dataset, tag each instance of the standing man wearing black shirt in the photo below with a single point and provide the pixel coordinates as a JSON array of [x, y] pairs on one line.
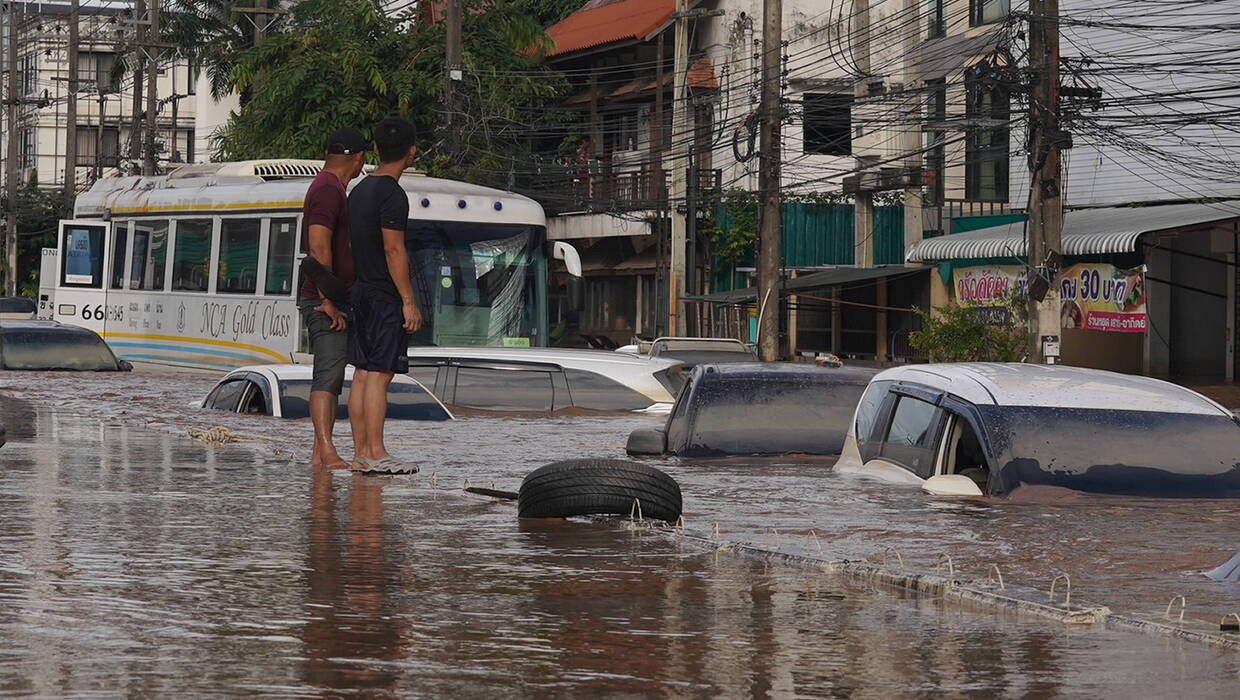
[[384, 310], [325, 237]]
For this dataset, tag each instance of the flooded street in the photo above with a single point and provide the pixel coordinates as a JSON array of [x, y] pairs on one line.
[[134, 560]]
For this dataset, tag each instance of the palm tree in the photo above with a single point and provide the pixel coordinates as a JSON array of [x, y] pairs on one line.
[[211, 34]]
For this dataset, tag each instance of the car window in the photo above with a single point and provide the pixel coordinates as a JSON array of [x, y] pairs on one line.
[[35, 349], [17, 305], [504, 389], [411, 402], [869, 413], [254, 402], [594, 391], [227, 395], [426, 374], [910, 440]]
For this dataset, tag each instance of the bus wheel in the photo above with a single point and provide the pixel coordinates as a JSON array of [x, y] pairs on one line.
[[599, 487]]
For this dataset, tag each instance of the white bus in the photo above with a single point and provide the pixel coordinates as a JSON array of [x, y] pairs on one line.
[[199, 267]]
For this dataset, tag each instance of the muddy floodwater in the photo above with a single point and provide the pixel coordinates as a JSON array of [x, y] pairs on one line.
[[136, 561]]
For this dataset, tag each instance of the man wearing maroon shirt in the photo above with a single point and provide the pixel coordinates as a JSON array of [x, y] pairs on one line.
[[325, 237]]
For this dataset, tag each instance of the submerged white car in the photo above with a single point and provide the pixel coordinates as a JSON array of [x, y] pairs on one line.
[[283, 391], [992, 428], [545, 379]]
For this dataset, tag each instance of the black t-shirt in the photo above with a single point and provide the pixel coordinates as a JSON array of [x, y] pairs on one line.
[[376, 203]]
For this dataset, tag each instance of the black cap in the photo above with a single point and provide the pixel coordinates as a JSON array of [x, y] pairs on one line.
[[347, 141]]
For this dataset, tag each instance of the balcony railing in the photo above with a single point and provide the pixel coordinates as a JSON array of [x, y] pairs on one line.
[[597, 187]]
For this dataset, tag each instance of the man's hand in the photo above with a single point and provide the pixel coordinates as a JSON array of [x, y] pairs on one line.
[[329, 308], [413, 317]]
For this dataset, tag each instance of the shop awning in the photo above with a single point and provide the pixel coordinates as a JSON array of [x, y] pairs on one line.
[[833, 277], [1085, 232]]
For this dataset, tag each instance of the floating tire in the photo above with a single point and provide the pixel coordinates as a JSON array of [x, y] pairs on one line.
[[598, 487]]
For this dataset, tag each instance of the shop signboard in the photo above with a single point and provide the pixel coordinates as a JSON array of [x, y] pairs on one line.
[[987, 288], [1102, 297]]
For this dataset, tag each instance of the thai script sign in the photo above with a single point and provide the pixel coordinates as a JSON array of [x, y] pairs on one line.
[[988, 285], [1102, 297]]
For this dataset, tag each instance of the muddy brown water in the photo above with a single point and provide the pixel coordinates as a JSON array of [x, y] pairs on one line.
[[135, 561]]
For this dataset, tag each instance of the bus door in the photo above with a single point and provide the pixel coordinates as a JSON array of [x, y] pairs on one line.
[[81, 291]]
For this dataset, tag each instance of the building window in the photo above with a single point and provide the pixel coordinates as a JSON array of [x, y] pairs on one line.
[[987, 112], [191, 256], [96, 67], [936, 115], [28, 74], [89, 151], [26, 149], [987, 11], [938, 18], [191, 83], [827, 124]]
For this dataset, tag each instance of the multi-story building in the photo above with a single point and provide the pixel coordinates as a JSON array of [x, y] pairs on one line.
[[105, 102]]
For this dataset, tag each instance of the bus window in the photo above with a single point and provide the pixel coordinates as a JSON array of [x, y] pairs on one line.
[[280, 253], [238, 268], [150, 254], [83, 261], [120, 236], [191, 259]]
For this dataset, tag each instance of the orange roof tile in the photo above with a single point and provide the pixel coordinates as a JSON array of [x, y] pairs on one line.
[[598, 24]]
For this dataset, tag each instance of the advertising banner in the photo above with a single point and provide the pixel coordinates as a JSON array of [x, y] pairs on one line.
[[1102, 297], [988, 285]]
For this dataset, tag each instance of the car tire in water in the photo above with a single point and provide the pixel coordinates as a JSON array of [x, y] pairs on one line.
[[598, 487]]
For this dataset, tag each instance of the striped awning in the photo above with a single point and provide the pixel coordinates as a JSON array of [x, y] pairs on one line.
[[1085, 232]]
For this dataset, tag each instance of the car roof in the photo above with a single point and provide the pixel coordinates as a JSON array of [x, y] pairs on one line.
[[1054, 386], [43, 325], [565, 357], [293, 373], [781, 370]]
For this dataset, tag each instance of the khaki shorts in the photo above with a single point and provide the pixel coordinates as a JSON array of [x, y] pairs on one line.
[[329, 348]]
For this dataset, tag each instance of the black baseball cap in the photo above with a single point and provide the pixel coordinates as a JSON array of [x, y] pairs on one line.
[[347, 141]]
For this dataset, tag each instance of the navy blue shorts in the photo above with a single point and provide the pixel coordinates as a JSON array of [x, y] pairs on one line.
[[377, 338]]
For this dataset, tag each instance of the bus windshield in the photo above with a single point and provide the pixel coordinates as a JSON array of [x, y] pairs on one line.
[[477, 284]]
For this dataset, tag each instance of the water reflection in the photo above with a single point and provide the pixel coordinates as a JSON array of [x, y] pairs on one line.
[[349, 571]]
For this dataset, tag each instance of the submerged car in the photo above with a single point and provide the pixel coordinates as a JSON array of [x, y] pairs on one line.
[[18, 308], [993, 429], [757, 409], [49, 345], [283, 391], [545, 379]]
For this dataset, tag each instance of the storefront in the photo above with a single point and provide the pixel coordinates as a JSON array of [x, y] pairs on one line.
[[1144, 290]]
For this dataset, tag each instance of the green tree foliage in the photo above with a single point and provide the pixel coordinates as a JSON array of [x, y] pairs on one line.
[[548, 12], [970, 334], [345, 62], [38, 210]]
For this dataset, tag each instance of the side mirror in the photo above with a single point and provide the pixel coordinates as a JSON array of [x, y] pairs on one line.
[[647, 441], [572, 260], [951, 485], [576, 299], [124, 365]]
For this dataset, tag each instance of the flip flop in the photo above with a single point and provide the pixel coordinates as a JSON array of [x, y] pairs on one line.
[[387, 465]]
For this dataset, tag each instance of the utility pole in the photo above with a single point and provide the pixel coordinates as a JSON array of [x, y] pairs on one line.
[[103, 109], [770, 230], [10, 225], [452, 71], [151, 161], [1045, 181], [72, 105], [135, 116], [680, 170], [863, 200]]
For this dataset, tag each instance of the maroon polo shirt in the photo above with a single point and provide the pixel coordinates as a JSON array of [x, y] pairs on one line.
[[327, 205]]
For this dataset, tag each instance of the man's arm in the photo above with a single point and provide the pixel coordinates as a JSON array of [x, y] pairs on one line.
[[398, 267], [319, 240]]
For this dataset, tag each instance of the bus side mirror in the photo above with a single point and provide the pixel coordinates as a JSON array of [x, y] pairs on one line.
[[576, 300], [572, 260]]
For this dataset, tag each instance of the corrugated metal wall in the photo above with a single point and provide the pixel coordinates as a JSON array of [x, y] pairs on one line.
[[816, 234]]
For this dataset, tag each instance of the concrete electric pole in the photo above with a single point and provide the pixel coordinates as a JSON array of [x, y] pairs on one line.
[[151, 158], [10, 170], [72, 105], [452, 71], [680, 141], [770, 229], [1045, 181], [135, 114], [863, 200]]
